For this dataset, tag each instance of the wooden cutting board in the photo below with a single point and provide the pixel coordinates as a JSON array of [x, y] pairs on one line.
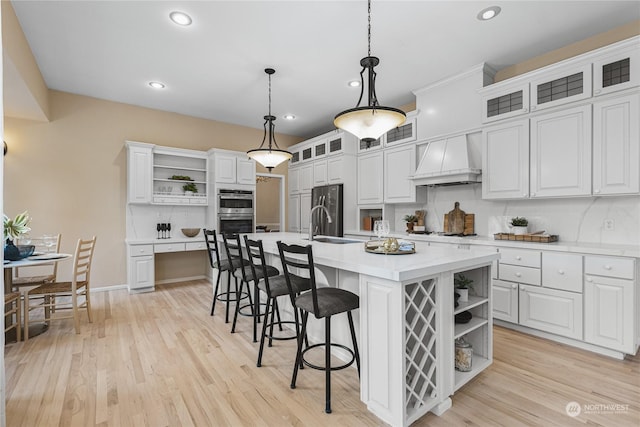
[[459, 222]]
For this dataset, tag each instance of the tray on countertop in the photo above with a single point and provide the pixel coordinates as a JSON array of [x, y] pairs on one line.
[[539, 238], [376, 247]]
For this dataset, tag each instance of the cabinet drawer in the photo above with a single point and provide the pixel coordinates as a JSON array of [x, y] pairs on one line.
[[140, 250], [195, 246], [168, 247], [562, 271], [515, 273], [609, 266], [523, 257]]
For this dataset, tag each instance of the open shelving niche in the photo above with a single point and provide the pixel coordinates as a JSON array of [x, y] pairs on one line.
[[169, 191], [478, 331]]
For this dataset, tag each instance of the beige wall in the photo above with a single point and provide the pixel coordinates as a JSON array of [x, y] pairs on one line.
[[586, 45], [70, 173]]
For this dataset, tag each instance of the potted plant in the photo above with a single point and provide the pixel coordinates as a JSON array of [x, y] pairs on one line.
[[13, 229], [410, 220], [190, 188], [462, 285], [519, 225]]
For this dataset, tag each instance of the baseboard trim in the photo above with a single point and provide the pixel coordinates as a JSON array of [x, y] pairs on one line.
[[110, 288], [180, 279]]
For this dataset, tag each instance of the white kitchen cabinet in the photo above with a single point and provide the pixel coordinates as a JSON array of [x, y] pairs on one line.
[[618, 69], [295, 185], [140, 268], [365, 147], [562, 271], [336, 171], [306, 153], [609, 317], [560, 86], [139, 177], [305, 210], [306, 177], [504, 101], [616, 145], [320, 149], [320, 172], [406, 132], [399, 166], [505, 160], [551, 310], [505, 301], [294, 213], [561, 153], [371, 178], [233, 168]]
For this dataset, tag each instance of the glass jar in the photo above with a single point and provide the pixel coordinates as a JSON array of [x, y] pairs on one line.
[[464, 355]]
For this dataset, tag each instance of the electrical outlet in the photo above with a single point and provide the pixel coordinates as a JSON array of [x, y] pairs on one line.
[[609, 225]]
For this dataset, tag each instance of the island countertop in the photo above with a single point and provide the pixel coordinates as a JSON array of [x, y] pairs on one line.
[[352, 257]]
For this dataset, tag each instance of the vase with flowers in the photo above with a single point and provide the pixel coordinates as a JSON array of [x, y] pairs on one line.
[[13, 229]]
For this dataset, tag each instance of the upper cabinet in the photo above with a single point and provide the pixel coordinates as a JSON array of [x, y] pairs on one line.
[[504, 102], [165, 175], [406, 132], [232, 167], [567, 84], [617, 70], [616, 145]]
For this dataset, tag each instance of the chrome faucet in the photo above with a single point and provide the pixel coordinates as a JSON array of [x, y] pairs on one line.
[[313, 209]]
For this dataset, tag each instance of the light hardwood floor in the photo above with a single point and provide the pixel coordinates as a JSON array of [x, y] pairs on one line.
[[159, 359]]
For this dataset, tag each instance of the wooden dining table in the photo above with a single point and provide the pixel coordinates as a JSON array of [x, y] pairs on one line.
[[32, 261]]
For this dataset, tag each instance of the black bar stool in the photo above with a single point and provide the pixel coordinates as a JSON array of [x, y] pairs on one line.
[[223, 265], [273, 287], [323, 303], [245, 274]]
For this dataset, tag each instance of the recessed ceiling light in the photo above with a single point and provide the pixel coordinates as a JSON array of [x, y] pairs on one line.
[[180, 18], [354, 83], [489, 13], [289, 117], [156, 85]]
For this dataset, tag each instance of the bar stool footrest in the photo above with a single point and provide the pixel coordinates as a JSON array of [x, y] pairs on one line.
[[278, 338], [232, 296], [333, 368], [250, 306]]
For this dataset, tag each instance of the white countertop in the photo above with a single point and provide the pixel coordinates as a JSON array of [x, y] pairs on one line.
[[152, 241], [352, 257], [561, 246]]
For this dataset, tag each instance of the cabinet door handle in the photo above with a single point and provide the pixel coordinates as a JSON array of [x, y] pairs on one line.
[[519, 258], [518, 274], [524, 194], [607, 267], [141, 251], [514, 286], [596, 191], [533, 194], [589, 279], [560, 271], [524, 110], [597, 91]]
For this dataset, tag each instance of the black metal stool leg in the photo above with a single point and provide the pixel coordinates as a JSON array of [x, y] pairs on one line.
[[270, 301], [327, 363], [235, 314], [303, 332], [229, 273], [355, 343], [256, 311], [215, 292], [278, 314], [274, 307]]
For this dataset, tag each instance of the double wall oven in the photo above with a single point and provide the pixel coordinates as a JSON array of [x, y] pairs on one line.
[[235, 211]]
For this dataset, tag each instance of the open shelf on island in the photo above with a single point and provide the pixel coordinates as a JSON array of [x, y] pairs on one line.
[[479, 363]]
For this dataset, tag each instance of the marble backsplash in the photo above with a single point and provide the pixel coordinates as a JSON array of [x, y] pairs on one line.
[[579, 219]]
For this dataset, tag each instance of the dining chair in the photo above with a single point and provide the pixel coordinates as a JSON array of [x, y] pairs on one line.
[[63, 296], [324, 303], [42, 273], [273, 287], [222, 265], [12, 304]]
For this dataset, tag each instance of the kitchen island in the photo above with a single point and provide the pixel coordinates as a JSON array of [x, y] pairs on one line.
[[406, 325]]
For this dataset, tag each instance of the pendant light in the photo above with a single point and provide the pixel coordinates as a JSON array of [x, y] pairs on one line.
[[269, 157], [371, 122]]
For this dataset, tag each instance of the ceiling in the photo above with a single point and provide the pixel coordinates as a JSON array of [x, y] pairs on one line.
[[214, 68]]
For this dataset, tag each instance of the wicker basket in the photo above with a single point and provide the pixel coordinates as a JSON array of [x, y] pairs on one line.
[[538, 238]]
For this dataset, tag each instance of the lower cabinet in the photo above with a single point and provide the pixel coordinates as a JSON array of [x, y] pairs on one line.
[[505, 301], [299, 208], [140, 267], [609, 302], [551, 310]]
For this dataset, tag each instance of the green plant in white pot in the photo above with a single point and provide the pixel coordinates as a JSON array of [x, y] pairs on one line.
[[462, 285], [519, 225]]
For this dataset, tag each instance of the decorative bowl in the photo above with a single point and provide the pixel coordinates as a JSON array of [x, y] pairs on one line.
[[18, 252], [190, 232]]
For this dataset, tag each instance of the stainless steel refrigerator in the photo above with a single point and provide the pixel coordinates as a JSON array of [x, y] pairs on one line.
[[331, 197]]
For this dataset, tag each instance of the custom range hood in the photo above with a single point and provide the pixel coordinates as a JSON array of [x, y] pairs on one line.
[[450, 161]]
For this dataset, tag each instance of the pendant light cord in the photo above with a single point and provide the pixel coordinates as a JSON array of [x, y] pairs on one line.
[[369, 29], [269, 94]]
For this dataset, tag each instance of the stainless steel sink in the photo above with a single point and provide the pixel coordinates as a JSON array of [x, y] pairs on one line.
[[334, 240]]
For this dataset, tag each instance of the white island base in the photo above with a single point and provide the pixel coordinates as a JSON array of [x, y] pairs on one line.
[[406, 326]]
